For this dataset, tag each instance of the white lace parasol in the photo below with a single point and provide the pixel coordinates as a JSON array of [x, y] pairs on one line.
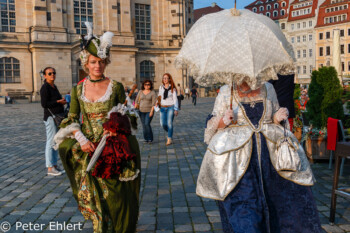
[[238, 46]]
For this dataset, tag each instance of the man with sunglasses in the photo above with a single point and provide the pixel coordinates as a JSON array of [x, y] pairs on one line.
[[53, 103]]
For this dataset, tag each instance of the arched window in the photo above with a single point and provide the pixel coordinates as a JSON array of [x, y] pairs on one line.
[[9, 70], [261, 8], [282, 12], [255, 10], [275, 13], [8, 16], [275, 5], [268, 14], [283, 4], [268, 7], [283, 26], [146, 70], [82, 13]]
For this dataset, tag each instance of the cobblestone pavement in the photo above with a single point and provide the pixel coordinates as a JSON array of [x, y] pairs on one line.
[[168, 199]]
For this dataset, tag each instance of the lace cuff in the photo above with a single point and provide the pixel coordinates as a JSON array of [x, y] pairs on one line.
[[211, 129], [64, 133]]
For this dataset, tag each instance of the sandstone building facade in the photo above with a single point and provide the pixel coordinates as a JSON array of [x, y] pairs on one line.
[[39, 33], [333, 15]]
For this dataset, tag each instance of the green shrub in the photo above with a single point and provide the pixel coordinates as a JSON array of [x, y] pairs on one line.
[[325, 94]]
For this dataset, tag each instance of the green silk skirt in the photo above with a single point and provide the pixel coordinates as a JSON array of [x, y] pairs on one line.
[[112, 205]]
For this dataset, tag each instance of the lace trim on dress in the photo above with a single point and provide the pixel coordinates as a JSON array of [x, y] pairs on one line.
[[212, 128], [130, 178], [104, 98]]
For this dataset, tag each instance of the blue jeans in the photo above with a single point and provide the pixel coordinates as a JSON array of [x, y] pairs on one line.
[[50, 154], [166, 120], [194, 100], [146, 126]]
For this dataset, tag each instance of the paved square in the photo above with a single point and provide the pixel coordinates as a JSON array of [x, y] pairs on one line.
[[169, 174]]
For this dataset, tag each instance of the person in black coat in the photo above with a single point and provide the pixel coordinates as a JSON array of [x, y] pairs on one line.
[[284, 88], [53, 103]]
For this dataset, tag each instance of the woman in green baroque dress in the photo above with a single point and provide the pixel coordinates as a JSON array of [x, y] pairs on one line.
[[111, 204]]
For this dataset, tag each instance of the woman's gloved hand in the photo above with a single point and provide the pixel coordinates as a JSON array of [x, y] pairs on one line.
[[280, 115], [228, 117]]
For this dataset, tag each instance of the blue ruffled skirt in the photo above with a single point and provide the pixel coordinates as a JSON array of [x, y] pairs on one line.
[[263, 201]]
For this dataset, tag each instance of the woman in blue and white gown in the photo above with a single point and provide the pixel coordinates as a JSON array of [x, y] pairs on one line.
[[239, 167]]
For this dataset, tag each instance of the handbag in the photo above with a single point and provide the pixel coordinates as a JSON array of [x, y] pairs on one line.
[[287, 154], [58, 118]]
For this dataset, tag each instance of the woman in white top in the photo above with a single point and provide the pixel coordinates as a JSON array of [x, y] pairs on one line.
[[168, 105]]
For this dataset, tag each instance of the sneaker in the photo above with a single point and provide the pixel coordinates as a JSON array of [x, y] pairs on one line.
[[54, 172], [60, 170]]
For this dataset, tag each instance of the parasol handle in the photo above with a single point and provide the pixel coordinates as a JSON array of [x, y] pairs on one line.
[[235, 4]]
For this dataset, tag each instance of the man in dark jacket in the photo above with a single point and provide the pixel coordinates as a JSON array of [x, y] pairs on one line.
[[284, 87], [53, 103]]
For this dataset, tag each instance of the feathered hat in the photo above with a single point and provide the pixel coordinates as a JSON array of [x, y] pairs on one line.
[[98, 47]]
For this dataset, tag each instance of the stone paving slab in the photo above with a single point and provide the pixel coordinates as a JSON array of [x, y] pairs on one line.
[[169, 174]]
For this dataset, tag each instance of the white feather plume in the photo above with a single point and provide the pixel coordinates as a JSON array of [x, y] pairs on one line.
[[106, 40], [89, 30]]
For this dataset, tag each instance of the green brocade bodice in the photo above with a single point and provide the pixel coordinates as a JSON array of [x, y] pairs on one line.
[[94, 114]]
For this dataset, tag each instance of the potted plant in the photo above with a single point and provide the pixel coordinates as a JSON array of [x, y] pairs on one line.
[[325, 94], [297, 122]]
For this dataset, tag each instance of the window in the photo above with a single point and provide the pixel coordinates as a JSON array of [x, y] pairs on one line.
[[143, 21], [328, 63], [328, 35], [348, 65], [283, 4], [310, 37], [304, 38], [283, 26], [146, 70], [342, 32], [328, 51], [298, 69], [261, 8], [349, 32], [268, 7], [343, 66], [298, 39], [9, 70], [292, 26], [275, 5], [311, 68], [304, 69], [321, 51], [82, 12], [310, 23], [321, 65], [268, 14], [310, 52], [255, 10], [275, 13], [298, 25], [283, 12], [348, 48], [304, 24], [298, 53], [342, 49], [304, 53], [321, 36], [8, 16], [292, 40]]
